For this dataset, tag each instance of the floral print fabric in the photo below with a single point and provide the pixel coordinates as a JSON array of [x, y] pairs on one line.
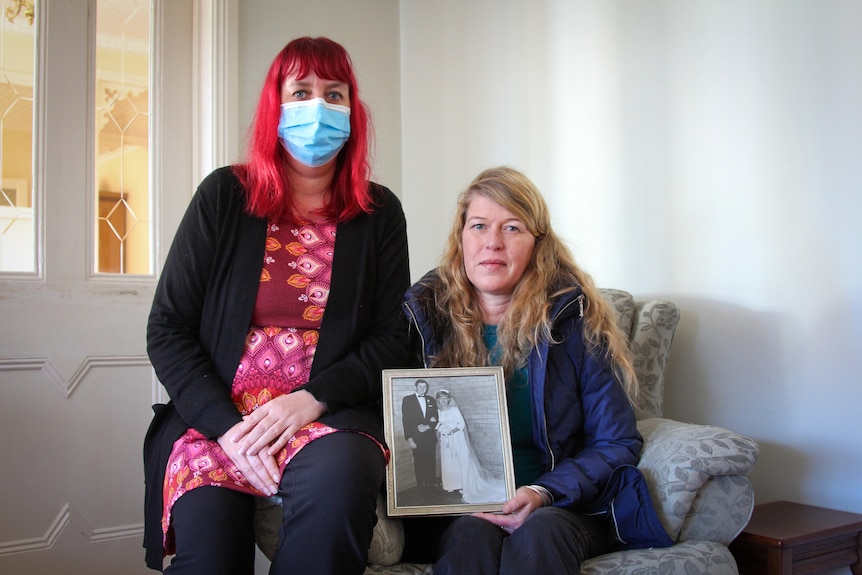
[[279, 349]]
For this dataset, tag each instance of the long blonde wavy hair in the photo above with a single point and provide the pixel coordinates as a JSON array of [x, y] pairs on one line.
[[551, 273]]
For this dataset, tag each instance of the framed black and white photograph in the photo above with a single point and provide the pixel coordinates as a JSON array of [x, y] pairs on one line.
[[448, 433]]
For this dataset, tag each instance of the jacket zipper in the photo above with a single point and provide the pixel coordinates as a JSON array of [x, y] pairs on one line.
[[415, 324], [551, 458]]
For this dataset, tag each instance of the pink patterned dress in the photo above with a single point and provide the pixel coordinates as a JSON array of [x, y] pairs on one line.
[[279, 349]]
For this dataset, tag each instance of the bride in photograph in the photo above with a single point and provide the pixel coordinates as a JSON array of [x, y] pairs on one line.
[[460, 469]]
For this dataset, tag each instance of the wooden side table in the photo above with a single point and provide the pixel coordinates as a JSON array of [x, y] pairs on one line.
[[784, 538]]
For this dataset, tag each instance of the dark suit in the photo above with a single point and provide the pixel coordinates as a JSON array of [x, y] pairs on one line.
[[425, 454]]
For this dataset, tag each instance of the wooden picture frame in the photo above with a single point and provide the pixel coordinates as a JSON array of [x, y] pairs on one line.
[[469, 467]]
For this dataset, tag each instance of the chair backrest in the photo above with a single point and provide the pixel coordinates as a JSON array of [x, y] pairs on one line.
[[650, 326]]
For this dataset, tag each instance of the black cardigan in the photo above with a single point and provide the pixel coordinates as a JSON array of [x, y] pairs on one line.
[[202, 310]]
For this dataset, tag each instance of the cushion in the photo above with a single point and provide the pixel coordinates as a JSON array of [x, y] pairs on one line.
[[650, 327], [388, 540], [720, 511], [678, 458], [650, 340], [690, 557]]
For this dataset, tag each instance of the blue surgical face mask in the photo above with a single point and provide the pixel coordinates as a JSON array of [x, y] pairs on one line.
[[313, 131]]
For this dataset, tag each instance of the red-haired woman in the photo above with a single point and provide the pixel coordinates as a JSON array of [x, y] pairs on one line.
[[277, 308]]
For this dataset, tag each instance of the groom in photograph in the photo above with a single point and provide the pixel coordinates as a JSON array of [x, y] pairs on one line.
[[419, 418]]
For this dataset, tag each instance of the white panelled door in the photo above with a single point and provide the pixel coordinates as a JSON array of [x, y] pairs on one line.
[[75, 383]]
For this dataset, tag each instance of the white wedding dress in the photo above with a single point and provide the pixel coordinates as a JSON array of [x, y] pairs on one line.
[[459, 467]]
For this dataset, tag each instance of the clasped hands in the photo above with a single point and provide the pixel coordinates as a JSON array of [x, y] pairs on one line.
[[421, 428], [253, 443]]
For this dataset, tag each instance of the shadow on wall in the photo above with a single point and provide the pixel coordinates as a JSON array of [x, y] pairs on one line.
[[725, 367], [790, 382], [781, 472]]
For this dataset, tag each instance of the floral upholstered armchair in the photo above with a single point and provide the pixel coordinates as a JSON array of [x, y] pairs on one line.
[[696, 473]]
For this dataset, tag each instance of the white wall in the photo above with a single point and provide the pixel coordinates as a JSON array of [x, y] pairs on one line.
[[705, 152]]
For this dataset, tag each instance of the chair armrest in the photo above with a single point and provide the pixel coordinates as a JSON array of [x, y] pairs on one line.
[[720, 511], [678, 458]]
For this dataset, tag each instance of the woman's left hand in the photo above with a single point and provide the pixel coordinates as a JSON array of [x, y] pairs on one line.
[[515, 511], [271, 425]]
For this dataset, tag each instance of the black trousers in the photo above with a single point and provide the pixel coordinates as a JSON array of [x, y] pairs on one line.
[[425, 458], [329, 496], [551, 542]]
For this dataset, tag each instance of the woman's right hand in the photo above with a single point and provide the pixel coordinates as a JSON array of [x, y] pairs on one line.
[[515, 511], [261, 470]]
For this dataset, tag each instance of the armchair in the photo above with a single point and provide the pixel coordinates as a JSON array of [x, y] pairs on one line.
[[696, 473]]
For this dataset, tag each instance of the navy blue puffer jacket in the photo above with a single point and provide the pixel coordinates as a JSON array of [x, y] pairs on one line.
[[583, 423]]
